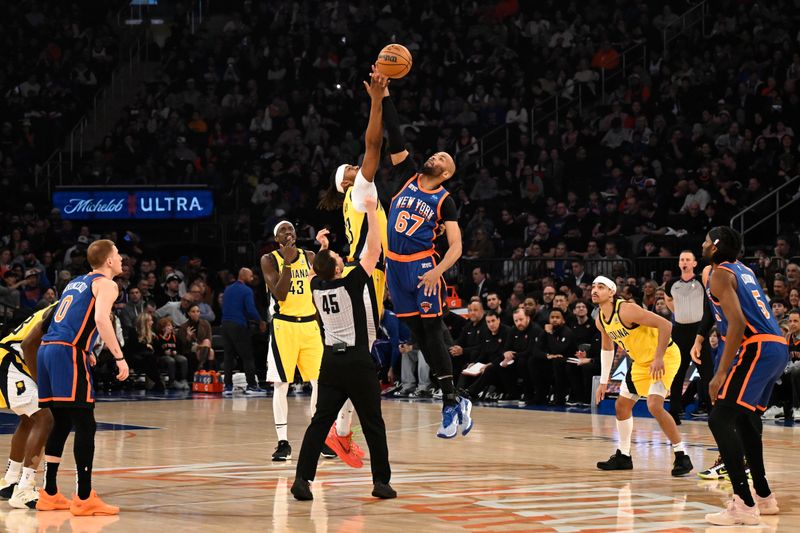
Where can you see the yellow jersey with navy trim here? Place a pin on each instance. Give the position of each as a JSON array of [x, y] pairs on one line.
[[18, 334], [299, 301], [640, 342], [356, 227]]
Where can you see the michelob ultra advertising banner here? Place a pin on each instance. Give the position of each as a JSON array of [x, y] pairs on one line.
[[133, 203]]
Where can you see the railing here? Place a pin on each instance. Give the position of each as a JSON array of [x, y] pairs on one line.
[[782, 201], [691, 17]]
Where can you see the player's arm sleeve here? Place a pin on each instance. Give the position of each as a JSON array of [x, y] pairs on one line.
[[362, 189], [356, 279], [449, 212], [404, 170], [392, 122]]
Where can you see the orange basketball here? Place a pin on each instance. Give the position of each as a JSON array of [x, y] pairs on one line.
[[394, 61]]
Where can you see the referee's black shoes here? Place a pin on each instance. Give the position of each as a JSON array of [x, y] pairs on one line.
[[384, 491], [301, 490]]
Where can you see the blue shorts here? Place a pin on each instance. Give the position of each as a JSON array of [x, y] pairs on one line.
[[64, 377], [756, 368], [402, 278]]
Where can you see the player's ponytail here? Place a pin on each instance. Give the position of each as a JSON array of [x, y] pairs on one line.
[[332, 199]]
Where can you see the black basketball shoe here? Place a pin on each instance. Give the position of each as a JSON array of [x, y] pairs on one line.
[[683, 464], [618, 461], [283, 452]]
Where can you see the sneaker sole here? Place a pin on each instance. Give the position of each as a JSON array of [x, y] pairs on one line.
[[612, 469], [23, 505], [446, 436], [281, 459], [471, 421]]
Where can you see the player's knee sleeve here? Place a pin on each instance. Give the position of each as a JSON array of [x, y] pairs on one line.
[[62, 425]]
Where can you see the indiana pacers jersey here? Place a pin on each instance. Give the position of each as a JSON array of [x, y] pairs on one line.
[[299, 301], [755, 306], [414, 217], [356, 227], [20, 332], [640, 342], [73, 320]]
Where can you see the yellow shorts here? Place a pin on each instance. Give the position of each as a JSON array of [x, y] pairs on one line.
[[638, 382], [18, 390], [294, 345]]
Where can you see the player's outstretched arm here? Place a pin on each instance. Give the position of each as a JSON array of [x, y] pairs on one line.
[[391, 121], [106, 292], [370, 259], [373, 138]]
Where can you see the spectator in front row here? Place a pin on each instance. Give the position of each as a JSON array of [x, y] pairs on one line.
[[587, 344], [558, 344], [195, 336], [139, 351], [165, 348], [465, 350], [177, 312], [490, 352]]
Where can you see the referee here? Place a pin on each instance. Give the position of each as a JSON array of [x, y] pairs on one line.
[[685, 297], [349, 319]]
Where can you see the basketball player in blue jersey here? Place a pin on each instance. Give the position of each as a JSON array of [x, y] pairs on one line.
[[65, 381], [413, 273], [754, 358]]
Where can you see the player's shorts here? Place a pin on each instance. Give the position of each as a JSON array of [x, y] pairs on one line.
[[403, 277], [759, 363], [296, 342], [17, 386], [639, 383], [377, 291], [64, 377]]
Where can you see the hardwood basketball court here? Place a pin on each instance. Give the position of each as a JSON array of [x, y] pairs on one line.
[[203, 464]]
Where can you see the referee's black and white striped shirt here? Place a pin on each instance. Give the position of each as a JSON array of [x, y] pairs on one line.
[[688, 298], [347, 308]]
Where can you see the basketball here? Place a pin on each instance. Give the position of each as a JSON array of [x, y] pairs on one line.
[[394, 61]]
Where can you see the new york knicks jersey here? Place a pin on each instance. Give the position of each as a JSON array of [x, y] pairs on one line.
[[414, 217], [299, 300], [639, 341], [73, 320], [755, 307], [356, 227]]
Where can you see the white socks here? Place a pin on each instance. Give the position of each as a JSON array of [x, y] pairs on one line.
[[313, 397], [625, 428], [345, 419], [678, 447], [13, 471], [280, 409], [28, 478]]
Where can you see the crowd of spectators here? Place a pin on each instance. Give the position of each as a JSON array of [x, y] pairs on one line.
[[56, 56]]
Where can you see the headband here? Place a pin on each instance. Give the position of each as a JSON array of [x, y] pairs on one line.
[[602, 280], [279, 224], [715, 236], [339, 177]]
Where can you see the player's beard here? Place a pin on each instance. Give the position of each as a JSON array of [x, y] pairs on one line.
[[431, 170]]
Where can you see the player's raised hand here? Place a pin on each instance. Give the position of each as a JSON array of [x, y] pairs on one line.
[[376, 86], [382, 79], [322, 238]]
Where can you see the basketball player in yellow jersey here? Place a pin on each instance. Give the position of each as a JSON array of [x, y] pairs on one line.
[[21, 395], [296, 341], [645, 337], [350, 186]]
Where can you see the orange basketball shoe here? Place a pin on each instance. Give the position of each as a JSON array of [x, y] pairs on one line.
[[91, 506], [343, 448], [57, 502]]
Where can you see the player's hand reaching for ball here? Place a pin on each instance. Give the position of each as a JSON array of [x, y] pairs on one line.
[[122, 366], [377, 85]]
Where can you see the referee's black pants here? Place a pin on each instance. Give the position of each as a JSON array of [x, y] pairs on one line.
[[349, 374], [684, 335], [238, 341]]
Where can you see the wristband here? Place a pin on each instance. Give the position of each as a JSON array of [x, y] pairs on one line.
[[119, 359]]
